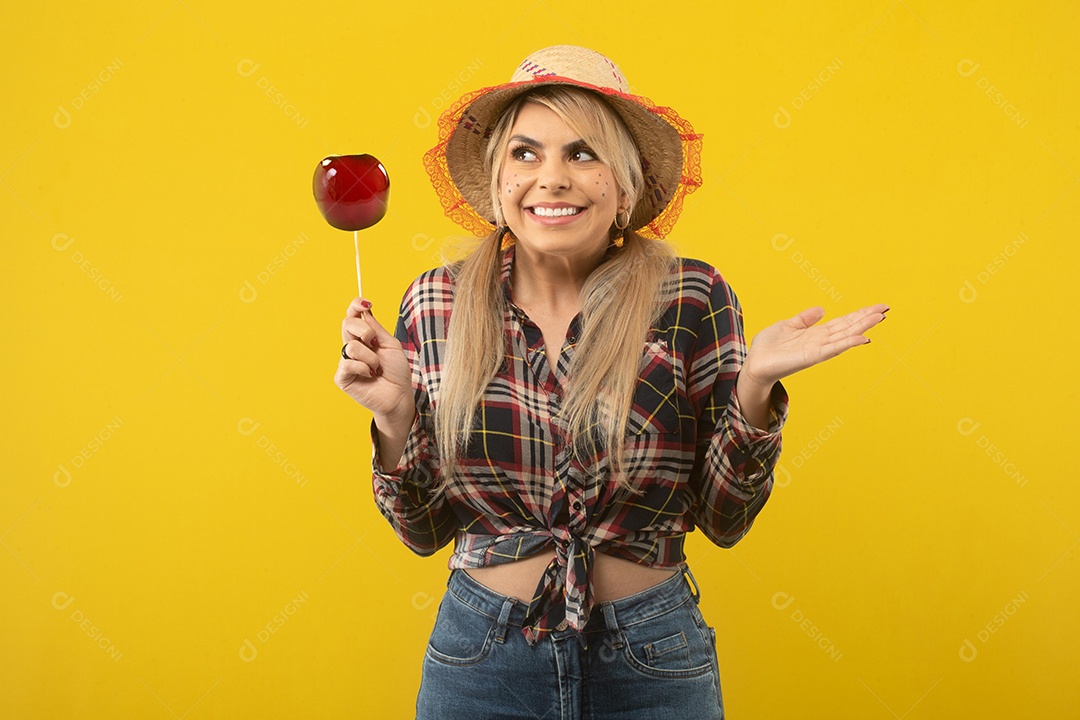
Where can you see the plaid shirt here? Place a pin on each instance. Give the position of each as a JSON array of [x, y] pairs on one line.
[[522, 490]]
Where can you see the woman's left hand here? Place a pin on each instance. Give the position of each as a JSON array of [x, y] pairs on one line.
[[797, 343]]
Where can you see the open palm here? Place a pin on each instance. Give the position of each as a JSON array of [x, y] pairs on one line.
[[794, 344]]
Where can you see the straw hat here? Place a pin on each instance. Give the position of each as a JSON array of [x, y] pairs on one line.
[[670, 149]]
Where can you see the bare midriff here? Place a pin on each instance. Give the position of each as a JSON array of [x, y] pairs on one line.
[[613, 577]]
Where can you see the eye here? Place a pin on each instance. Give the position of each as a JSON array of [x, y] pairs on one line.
[[523, 153], [583, 155]]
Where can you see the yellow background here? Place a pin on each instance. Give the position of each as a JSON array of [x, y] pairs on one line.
[[179, 469]]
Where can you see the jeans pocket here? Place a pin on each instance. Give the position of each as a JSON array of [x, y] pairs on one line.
[[462, 634], [671, 645]]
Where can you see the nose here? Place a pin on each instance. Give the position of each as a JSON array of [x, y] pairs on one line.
[[554, 175]]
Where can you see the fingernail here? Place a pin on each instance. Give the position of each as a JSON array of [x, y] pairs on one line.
[[867, 340], [365, 305], [374, 344], [378, 371]]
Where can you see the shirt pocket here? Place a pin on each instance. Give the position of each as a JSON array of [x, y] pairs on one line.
[[655, 407]]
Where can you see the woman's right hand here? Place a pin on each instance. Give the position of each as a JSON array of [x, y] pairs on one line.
[[378, 375]]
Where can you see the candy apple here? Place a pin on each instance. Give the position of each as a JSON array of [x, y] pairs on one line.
[[352, 191]]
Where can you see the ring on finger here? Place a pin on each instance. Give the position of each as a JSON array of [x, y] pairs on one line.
[[343, 353]]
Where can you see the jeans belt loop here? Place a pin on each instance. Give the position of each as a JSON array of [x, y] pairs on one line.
[[504, 617], [612, 624], [692, 581]]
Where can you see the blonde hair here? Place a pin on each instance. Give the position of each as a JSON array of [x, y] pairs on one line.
[[621, 299]]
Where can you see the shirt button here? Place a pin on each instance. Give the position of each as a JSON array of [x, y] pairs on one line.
[[577, 505]]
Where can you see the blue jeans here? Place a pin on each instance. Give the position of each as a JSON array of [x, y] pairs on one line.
[[648, 655]]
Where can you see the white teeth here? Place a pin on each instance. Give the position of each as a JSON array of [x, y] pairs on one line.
[[555, 212]]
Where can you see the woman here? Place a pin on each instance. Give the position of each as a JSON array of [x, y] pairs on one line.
[[568, 401]]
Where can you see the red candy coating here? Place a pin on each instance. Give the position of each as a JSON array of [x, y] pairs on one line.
[[352, 191]]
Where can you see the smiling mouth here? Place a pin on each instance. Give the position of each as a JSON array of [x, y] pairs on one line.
[[555, 212]]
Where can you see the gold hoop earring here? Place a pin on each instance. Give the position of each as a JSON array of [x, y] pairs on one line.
[[624, 225]]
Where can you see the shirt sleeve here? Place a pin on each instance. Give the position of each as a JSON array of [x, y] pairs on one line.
[[410, 496], [733, 470]]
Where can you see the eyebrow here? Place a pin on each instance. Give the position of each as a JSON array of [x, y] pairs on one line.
[[536, 143]]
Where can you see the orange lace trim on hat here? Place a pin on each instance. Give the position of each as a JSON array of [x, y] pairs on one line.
[[457, 209]]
